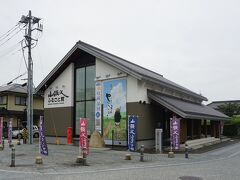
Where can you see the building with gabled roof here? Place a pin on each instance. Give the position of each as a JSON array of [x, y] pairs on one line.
[[94, 84], [13, 105], [216, 104]]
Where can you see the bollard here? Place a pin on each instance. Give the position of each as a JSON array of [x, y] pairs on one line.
[[141, 153], [186, 151], [3, 143], [112, 138], [13, 157], [19, 140], [38, 160], [25, 135], [84, 156]]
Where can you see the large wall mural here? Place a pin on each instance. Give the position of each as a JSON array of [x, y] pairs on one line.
[[114, 111]]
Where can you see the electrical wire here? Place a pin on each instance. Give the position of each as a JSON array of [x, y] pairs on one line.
[[11, 37], [11, 49], [18, 76], [24, 55], [11, 81], [3, 36]]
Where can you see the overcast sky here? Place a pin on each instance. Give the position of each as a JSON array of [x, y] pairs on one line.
[[195, 43]]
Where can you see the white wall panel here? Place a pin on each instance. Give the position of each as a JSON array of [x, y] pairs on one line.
[[60, 92]]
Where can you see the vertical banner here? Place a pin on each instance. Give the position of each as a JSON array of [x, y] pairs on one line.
[[132, 133], [221, 127], [114, 111], [43, 148], [98, 108], [1, 130], [83, 137], [175, 132], [10, 132]]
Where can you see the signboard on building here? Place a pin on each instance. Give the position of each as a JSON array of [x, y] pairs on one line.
[[10, 132], [57, 96], [98, 107], [83, 137], [60, 92], [114, 111], [132, 132], [175, 132], [1, 130]]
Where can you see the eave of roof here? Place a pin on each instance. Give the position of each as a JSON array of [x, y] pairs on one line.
[[185, 109], [122, 64]]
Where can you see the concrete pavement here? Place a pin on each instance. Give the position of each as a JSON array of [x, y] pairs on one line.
[[61, 162]]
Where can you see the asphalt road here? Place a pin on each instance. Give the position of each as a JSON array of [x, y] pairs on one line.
[[220, 164]]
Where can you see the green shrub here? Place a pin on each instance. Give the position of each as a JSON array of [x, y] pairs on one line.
[[231, 129]]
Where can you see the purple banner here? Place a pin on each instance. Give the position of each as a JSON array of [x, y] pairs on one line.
[[175, 132], [132, 133], [42, 139], [1, 130], [10, 132]]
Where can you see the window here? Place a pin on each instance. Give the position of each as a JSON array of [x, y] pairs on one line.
[[20, 100], [3, 100], [85, 97]]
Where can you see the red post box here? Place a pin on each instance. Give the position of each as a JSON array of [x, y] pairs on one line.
[[69, 135]]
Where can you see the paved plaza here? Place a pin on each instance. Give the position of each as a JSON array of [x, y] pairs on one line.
[[105, 163]]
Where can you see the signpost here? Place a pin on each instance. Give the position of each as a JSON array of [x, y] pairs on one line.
[[132, 133], [83, 138]]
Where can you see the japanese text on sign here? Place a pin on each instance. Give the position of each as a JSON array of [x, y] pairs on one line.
[[56, 97], [175, 132], [98, 108], [132, 132], [42, 140], [83, 138]]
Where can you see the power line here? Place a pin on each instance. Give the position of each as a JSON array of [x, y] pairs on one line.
[[10, 82], [24, 55], [11, 49], [10, 37], [9, 31]]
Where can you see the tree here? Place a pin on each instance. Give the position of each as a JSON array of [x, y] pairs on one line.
[[230, 109]]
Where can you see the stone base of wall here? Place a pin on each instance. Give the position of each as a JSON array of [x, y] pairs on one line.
[[54, 140]]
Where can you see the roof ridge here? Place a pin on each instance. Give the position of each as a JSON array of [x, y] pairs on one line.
[[119, 58], [225, 101]]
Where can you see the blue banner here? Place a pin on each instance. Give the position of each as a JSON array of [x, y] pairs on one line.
[[132, 133], [42, 139]]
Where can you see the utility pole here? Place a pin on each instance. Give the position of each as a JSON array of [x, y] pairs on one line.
[[30, 21]]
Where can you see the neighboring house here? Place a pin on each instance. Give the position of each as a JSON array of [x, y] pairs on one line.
[[13, 101], [94, 84], [216, 104]]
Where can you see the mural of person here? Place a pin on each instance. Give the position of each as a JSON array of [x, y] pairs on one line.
[[117, 117]]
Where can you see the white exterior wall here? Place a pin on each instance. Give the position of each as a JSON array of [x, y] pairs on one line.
[[105, 71], [63, 84], [136, 90]]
